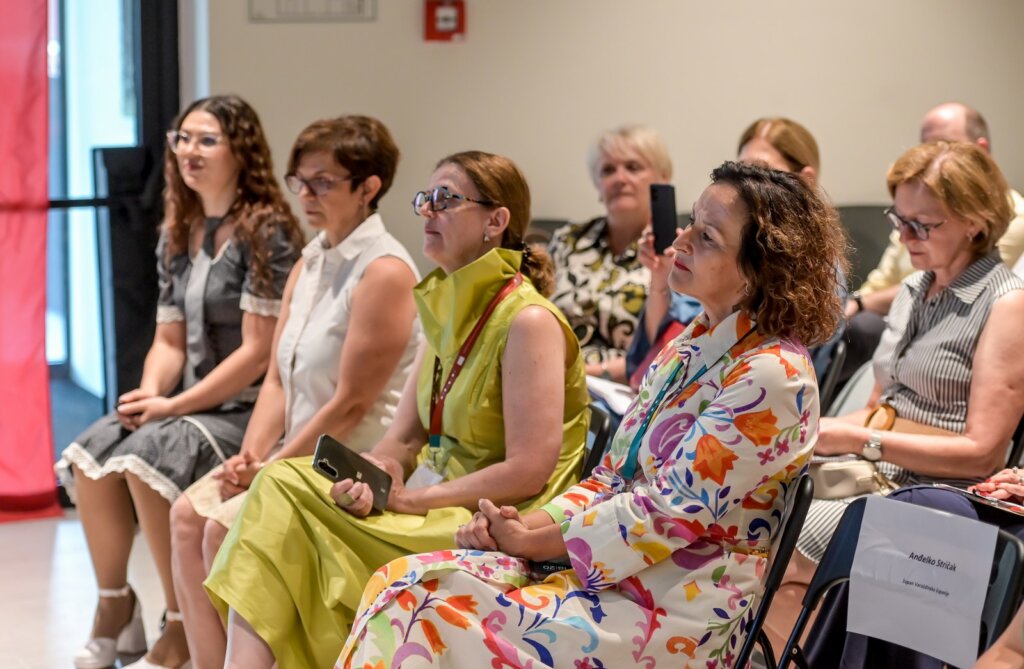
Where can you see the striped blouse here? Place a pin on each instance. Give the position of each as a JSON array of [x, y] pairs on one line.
[[924, 359]]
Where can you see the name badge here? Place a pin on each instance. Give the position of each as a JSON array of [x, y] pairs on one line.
[[423, 476]]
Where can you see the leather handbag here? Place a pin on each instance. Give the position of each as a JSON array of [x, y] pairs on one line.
[[836, 479]]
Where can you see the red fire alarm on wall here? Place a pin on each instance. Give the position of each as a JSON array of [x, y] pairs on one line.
[[445, 21]]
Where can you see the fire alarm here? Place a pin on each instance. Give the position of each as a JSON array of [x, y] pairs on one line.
[[445, 21]]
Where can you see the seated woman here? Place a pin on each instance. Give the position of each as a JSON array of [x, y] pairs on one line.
[[668, 540], [496, 407], [778, 143], [946, 366], [227, 245], [344, 345], [600, 283]]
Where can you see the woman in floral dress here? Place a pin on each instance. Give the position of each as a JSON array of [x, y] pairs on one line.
[[668, 539]]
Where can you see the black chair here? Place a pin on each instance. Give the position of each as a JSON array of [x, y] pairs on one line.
[[830, 379], [869, 235], [1016, 446], [598, 437], [1001, 600], [796, 511]]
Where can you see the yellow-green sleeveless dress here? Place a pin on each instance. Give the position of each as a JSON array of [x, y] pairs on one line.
[[294, 565]]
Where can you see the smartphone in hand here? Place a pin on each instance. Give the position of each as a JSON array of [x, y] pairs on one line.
[[663, 216], [339, 462]]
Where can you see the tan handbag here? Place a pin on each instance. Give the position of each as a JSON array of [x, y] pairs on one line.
[[836, 479]]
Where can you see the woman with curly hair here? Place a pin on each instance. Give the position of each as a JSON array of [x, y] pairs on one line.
[[668, 540], [228, 243]]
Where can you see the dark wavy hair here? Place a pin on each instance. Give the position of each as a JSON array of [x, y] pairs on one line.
[[792, 253], [259, 208], [498, 179]]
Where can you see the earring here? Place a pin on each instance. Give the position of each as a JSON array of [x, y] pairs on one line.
[[487, 237]]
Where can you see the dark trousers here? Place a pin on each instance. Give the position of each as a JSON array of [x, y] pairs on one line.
[[830, 645]]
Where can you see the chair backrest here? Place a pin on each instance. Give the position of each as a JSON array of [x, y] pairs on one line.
[[854, 394], [830, 379], [1001, 599], [1016, 446], [869, 235], [598, 436], [797, 504]]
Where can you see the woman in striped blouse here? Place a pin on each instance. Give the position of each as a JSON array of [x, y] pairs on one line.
[[948, 365]]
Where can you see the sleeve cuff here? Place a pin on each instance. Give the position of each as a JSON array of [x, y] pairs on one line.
[[260, 306], [556, 512], [166, 313]]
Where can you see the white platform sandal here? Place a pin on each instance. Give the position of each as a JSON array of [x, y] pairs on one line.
[[143, 663], [102, 652]]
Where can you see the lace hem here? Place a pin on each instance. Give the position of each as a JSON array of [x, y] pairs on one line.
[[260, 306], [75, 454]]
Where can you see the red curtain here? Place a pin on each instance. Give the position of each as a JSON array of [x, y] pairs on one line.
[[26, 442]]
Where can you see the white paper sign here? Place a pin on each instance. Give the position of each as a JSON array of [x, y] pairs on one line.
[[919, 579]]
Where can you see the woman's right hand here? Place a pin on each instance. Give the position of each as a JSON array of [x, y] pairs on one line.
[[659, 264], [357, 497]]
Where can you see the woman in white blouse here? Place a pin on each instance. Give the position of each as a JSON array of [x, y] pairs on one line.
[[345, 342]]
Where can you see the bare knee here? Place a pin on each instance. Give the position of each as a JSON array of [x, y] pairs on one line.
[[186, 523], [213, 537]]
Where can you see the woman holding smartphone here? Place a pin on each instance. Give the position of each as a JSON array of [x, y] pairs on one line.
[[497, 407]]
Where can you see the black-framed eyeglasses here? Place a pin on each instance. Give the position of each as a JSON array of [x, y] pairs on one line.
[[917, 228], [317, 185], [177, 140], [439, 197]]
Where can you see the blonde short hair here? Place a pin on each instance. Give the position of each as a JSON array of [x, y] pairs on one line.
[[967, 181], [642, 139]]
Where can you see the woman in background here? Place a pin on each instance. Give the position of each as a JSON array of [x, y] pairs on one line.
[[600, 283], [344, 345], [227, 246]]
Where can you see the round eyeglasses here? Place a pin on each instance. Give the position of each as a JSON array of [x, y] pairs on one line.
[[920, 230], [179, 140], [438, 199], [317, 185]]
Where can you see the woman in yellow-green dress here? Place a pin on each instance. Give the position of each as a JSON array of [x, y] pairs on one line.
[[509, 423]]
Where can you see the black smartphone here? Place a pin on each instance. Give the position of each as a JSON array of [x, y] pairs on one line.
[[663, 215], [339, 462]]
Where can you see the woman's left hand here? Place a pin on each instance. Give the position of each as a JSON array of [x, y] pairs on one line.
[[148, 409], [399, 499], [1007, 485], [837, 437], [507, 528]]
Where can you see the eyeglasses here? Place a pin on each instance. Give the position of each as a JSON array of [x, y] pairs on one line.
[[177, 140], [317, 185], [439, 197], [920, 230]]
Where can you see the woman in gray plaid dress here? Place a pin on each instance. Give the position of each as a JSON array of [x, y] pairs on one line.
[[228, 243]]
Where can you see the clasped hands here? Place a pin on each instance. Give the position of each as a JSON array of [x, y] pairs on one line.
[[495, 528], [1006, 485], [137, 407], [237, 474]]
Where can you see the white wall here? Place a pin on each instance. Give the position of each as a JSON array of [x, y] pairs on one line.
[[538, 79]]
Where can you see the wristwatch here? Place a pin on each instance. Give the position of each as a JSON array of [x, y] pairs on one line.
[[872, 449], [856, 297]]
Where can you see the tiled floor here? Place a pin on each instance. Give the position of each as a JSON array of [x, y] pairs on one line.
[[47, 592]]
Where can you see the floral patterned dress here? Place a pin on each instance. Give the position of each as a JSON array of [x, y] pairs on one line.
[[667, 564]]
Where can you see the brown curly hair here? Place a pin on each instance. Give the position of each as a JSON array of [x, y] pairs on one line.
[[259, 207], [792, 252], [498, 179]]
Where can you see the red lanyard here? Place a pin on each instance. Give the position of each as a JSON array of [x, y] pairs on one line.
[[439, 394]]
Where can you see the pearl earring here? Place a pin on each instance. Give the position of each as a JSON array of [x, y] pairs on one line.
[[487, 237]]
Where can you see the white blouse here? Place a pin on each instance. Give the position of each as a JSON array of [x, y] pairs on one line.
[[309, 350]]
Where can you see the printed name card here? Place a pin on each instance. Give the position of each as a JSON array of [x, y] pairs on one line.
[[919, 579]]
